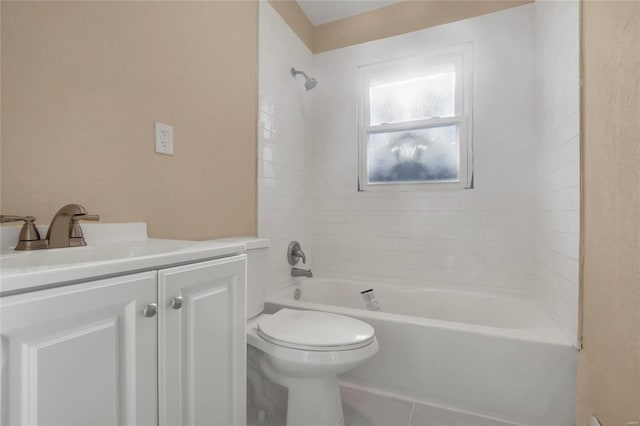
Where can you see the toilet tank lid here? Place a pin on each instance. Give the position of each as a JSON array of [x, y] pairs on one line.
[[250, 242]]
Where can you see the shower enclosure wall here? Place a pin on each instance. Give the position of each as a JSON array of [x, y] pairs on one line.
[[515, 233]]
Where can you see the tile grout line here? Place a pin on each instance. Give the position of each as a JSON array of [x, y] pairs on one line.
[[413, 406]]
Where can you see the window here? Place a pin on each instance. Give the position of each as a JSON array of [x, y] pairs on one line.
[[415, 122]]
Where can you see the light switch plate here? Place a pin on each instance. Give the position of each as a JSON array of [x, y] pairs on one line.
[[164, 139]]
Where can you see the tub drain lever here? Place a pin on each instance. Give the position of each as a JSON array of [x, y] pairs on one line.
[[370, 300]]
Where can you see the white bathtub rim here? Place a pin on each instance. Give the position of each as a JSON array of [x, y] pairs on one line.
[[540, 334], [550, 333], [428, 284], [525, 295]]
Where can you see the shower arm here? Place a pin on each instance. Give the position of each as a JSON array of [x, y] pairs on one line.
[[295, 72]]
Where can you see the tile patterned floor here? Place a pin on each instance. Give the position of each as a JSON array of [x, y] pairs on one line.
[[424, 415], [363, 408], [367, 409]]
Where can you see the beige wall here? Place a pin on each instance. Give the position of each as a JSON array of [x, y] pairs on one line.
[[609, 364], [400, 18], [296, 19], [83, 83]]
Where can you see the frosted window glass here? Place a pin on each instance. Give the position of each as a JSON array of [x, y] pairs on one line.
[[414, 99], [414, 155]]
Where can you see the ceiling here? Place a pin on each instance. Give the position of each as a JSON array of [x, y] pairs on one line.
[[323, 11]]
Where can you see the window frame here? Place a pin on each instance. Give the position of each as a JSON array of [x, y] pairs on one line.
[[461, 57]]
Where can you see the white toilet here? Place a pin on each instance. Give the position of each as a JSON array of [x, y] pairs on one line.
[[303, 351]]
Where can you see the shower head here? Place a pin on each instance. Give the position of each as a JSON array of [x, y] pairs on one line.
[[309, 82]]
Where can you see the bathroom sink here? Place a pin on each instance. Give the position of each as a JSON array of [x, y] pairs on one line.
[[112, 249], [88, 254]]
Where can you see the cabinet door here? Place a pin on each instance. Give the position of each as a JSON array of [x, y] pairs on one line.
[[202, 343], [81, 354]]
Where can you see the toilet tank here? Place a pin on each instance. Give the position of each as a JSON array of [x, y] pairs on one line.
[[257, 271]]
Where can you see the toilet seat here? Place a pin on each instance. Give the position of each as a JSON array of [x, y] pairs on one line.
[[314, 331]]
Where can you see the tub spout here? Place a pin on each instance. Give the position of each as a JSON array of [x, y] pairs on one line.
[[297, 272]]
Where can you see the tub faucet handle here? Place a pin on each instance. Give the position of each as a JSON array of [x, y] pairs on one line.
[[295, 253], [300, 253]]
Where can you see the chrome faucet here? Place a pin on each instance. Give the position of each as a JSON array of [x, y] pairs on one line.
[[294, 254], [64, 230], [297, 272]]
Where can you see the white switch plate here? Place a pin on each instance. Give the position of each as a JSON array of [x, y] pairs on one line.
[[164, 139]]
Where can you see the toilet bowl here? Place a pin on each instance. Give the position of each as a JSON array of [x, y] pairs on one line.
[[304, 351]]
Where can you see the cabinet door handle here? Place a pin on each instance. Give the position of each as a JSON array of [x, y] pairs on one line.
[[150, 310], [176, 302]]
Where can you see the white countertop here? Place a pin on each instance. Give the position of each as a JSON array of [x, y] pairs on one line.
[[112, 249]]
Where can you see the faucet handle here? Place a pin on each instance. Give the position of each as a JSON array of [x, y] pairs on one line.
[[11, 218], [82, 216], [29, 232], [295, 253], [76, 231]]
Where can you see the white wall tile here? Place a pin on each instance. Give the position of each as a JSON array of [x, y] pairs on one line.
[[558, 160], [483, 238], [284, 140], [509, 249]]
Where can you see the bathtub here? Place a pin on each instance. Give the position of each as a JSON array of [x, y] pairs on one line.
[[488, 354]]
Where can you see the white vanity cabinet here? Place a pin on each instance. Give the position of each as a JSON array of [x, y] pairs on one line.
[[202, 344], [81, 354], [89, 353]]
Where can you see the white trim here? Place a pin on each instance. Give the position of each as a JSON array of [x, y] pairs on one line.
[[461, 57], [414, 124]]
